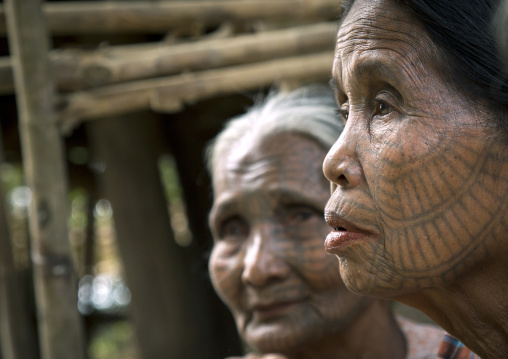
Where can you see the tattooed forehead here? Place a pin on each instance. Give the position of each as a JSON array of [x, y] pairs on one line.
[[285, 160], [370, 25], [368, 18], [265, 173], [254, 172]]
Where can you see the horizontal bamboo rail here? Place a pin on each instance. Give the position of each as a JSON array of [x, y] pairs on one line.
[[66, 18], [170, 94], [78, 69]]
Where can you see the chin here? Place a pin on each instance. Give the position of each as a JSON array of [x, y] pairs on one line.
[[272, 342], [370, 281], [383, 282], [278, 338]]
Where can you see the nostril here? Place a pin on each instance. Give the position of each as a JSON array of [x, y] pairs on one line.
[[342, 181]]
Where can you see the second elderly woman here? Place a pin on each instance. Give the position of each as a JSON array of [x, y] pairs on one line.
[[268, 263]]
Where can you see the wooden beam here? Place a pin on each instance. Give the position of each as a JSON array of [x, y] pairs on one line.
[[66, 18], [170, 94], [76, 69], [60, 329]]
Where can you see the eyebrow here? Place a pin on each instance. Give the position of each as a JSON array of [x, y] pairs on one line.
[[282, 195], [224, 206], [374, 69], [287, 195]]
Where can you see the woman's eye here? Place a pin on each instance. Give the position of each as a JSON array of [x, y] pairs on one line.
[[301, 214], [233, 228], [344, 113], [382, 108]]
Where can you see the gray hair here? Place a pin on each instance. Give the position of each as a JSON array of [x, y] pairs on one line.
[[309, 110]]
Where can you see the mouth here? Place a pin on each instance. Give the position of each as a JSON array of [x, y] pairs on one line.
[[343, 234], [264, 312]]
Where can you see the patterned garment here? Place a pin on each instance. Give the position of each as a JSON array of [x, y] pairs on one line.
[[452, 348], [422, 339]]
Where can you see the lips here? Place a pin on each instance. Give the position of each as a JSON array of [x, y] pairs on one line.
[[337, 240], [270, 307], [343, 234], [271, 310]]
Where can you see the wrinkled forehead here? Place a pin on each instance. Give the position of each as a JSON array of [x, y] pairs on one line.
[[285, 159], [376, 32], [380, 23]]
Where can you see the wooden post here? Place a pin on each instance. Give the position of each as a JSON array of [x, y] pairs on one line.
[[162, 306], [60, 328], [16, 337]]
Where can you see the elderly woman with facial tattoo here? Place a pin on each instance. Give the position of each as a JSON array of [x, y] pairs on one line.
[[268, 264], [419, 204]]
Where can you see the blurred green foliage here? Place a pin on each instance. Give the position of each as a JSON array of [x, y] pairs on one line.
[[176, 204], [114, 341], [11, 176]]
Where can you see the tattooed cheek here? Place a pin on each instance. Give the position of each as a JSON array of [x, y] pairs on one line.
[[225, 277], [224, 263]]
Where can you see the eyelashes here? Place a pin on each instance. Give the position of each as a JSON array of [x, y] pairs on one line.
[[342, 114], [379, 109]]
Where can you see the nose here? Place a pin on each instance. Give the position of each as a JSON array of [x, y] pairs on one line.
[[263, 261], [341, 165]]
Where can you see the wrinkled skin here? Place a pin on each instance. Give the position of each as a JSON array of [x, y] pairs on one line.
[[414, 166], [420, 172], [268, 263]]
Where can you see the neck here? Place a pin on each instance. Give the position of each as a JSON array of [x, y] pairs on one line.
[[474, 310], [373, 334]]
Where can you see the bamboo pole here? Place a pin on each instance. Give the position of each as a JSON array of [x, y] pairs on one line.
[[169, 94], [66, 18], [76, 69], [16, 339], [60, 329]]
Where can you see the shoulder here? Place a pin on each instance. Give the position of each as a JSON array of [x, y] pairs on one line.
[[422, 339]]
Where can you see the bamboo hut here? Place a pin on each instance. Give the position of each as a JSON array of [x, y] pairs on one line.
[[129, 83]]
